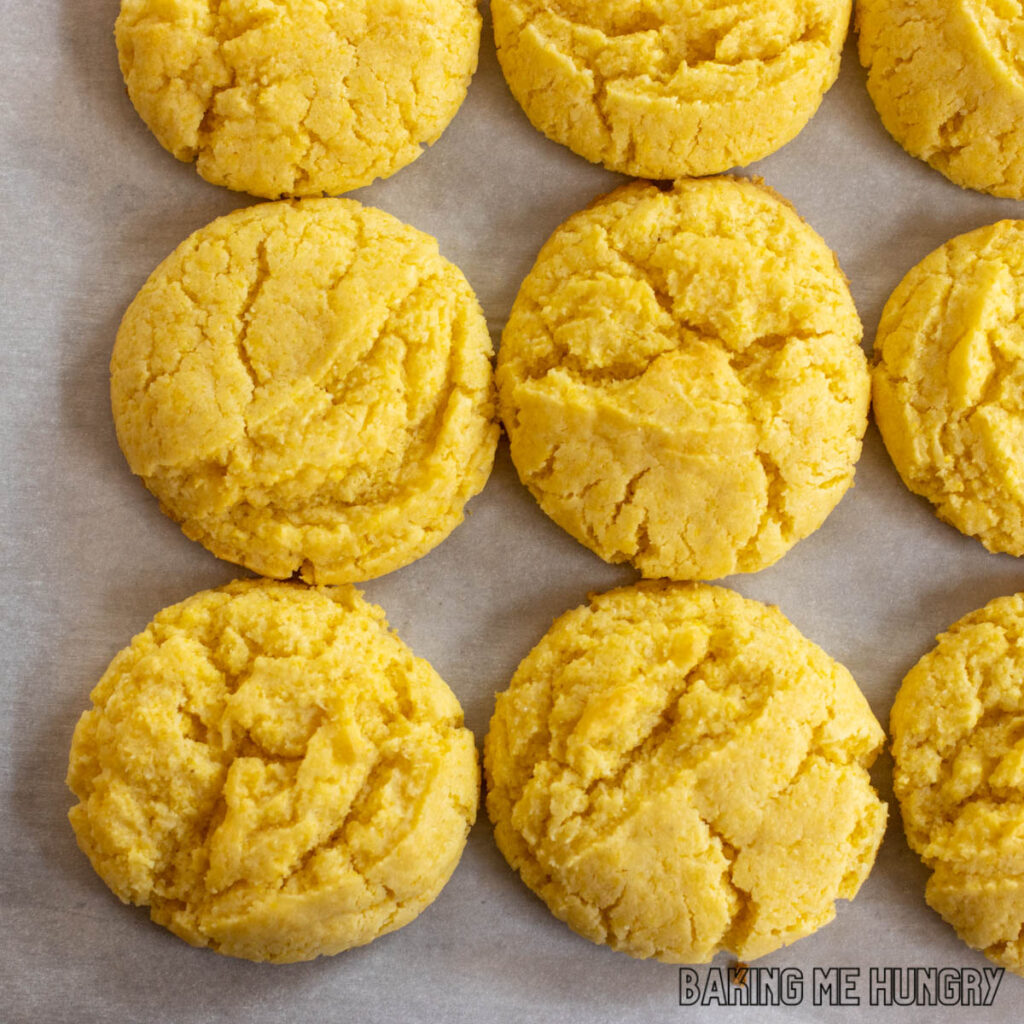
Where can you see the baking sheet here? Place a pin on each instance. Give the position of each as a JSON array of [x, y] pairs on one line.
[[90, 204]]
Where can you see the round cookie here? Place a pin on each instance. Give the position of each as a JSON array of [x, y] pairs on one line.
[[958, 743], [676, 771], [273, 773], [681, 379], [947, 79], [297, 97], [307, 387], [663, 88], [948, 382]]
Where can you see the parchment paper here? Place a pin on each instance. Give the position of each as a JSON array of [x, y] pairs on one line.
[[91, 204]]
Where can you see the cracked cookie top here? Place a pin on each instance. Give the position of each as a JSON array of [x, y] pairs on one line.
[[675, 770], [947, 79], [273, 773], [666, 88], [948, 382], [958, 743], [297, 97], [681, 379], [306, 386]]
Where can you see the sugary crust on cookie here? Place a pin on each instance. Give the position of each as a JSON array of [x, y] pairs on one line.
[[675, 771], [681, 380], [666, 88], [297, 97], [307, 387], [958, 743], [273, 773], [947, 78], [948, 382]]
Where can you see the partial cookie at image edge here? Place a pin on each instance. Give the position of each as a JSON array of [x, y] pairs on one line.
[[301, 98], [948, 383], [946, 82], [959, 776], [653, 93]]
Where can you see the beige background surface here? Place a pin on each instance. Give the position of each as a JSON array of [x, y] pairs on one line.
[[90, 204]]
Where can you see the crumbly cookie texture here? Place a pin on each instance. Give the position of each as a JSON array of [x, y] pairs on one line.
[[676, 771], [297, 97], [958, 745], [681, 379], [273, 773], [948, 382], [307, 387], [947, 78], [666, 88]]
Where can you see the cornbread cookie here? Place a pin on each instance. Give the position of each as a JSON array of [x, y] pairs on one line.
[[273, 773], [307, 387], [949, 382], [675, 771], [947, 78], [958, 742], [681, 379], [297, 97], [665, 88]]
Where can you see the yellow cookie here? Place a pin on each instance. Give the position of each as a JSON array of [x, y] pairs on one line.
[[681, 379], [273, 773], [297, 97], [675, 771], [665, 88], [947, 78], [949, 382], [307, 387], [958, 743]]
